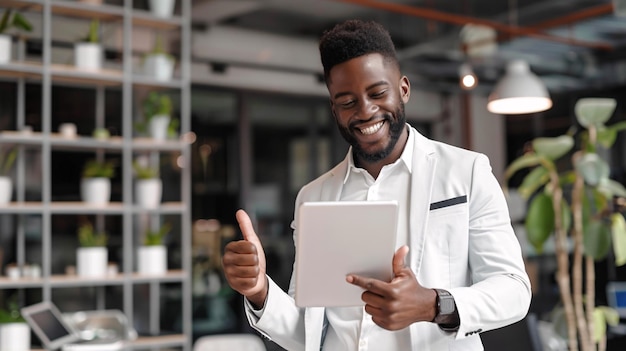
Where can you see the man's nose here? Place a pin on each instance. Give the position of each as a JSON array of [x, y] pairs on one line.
[[367, 109]]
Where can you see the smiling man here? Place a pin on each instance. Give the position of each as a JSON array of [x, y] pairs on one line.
[[458, 269]]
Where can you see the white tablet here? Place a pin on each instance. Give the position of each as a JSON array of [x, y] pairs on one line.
[[337, 238], [48, 324]]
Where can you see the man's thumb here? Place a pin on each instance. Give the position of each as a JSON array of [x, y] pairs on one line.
[[398, 259], [245, 224]]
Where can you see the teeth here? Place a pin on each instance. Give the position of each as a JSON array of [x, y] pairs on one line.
[[373, 129]]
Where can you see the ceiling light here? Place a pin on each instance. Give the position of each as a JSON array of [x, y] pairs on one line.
[[519, 92], [467, 78]]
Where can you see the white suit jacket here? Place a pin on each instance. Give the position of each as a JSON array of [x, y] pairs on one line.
[[460, 239]]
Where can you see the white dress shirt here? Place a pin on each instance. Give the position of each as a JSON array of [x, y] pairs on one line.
[[350, 328]]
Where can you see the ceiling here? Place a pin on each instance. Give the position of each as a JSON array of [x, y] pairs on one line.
[[570, 44]]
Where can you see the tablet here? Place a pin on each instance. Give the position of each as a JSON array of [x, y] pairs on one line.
[[341, 237], [48, 324]]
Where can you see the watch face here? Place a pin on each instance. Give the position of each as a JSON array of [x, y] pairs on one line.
[[446, 304]]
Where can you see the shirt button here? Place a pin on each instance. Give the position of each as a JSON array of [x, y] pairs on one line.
[[362, 344]]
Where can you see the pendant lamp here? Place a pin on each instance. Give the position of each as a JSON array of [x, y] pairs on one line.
[[519, 92]]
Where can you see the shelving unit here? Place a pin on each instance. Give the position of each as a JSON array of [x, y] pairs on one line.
[[126, 146]]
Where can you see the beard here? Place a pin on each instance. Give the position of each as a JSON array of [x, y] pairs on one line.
[[396, 126]]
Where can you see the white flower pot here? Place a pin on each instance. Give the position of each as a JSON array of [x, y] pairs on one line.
[[5, 48], [15, 337], [162, 8], [88, 56], [96, 191], [6, 190], [159, 66], [158, 127], [148, 192], [152, 259], [92, 261]]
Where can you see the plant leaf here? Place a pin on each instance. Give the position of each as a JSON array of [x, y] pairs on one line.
[[553, 148], [536, 178], [21, 22], [592, 168], [539, 220], [599, 325], [594, 111], [597, 239], [618, 230], [610, 188]]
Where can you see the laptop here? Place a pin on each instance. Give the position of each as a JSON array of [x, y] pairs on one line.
[[55, 332]]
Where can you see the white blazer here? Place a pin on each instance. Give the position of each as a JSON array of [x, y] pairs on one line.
[[460, 240]]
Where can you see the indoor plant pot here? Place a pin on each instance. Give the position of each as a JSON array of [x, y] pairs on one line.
[[148, 186], [10, 19], [14, 331], [152, 255], [158, 64], [7, 159], [162, 8], [157, 110], [96, 182], [92, 256], [88, 52]]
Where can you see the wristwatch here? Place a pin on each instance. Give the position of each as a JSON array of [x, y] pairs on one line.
[[446, 307]]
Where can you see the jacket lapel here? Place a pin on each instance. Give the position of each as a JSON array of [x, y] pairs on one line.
[[422, 176]]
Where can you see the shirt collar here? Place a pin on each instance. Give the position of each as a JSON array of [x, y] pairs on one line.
[[406, 157]]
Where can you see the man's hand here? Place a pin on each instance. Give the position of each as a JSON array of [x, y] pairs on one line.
[[399, 303], [244, 263]]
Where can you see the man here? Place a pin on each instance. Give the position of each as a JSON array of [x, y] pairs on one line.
[[458, 269]]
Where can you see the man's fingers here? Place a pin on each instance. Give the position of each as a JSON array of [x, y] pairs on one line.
[[368, 284], [398, 259]]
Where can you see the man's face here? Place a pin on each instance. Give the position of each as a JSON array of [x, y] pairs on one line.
[[367, 98]]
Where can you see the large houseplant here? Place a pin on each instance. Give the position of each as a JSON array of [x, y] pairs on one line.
[[96, 182], [92, 253], [587, 202], [10, 19], [7, 159]]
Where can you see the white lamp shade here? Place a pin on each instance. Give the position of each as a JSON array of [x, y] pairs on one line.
[[519, 92]]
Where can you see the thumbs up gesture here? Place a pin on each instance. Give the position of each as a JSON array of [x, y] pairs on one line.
[[244, 263], [399, 303]]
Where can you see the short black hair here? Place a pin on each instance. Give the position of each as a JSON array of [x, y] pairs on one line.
[[354, 38]]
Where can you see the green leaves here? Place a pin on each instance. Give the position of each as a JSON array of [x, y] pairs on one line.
[[88, 237], [592, 168], [602, 316], [11, 19], [553, 148], [597, 239], [594, 111], [618, 230], [97, 169]]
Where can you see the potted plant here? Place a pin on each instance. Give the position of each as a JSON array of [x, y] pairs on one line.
[[162, 8], [14, 331], [7, 158], [92, 253], [152, 255], [158, 64], [148, 185], [10, 19], [96, 182], [88, 51], [157, 111], [590, 213]]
